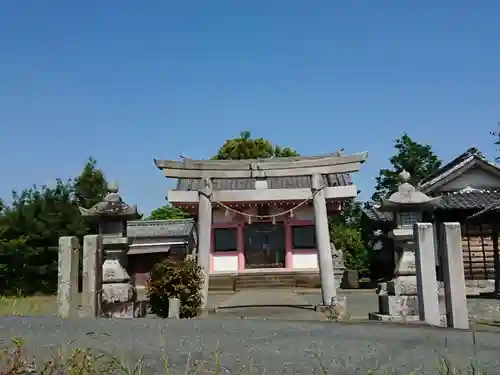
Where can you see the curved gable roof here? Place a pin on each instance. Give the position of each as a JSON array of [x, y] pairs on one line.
[[471, 158]]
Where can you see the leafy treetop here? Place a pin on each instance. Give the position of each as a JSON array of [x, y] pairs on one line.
[[245, 147], [417, 159], [242, 147], [168, 212], [90, 187]]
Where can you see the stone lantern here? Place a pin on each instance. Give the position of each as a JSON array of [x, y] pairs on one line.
[[398, 297], [111, 215]]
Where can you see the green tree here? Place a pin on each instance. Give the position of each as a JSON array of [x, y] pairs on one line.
[[242, 147], [31, 226], [168, 212], [416, 158], [90, 187], [245, 147], [349, 239], [347, 232]]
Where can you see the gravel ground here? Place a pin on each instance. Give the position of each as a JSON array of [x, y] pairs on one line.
[[271, 347]]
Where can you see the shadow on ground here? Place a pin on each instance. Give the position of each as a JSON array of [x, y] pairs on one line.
[[301, 307]]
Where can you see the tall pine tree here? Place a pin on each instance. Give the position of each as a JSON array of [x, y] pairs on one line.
[[417, 159]]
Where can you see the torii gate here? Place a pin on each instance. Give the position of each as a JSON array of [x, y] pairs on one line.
[[315, 167]]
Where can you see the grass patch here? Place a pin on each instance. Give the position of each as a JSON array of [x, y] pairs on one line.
[[15, 361], [28, 306]]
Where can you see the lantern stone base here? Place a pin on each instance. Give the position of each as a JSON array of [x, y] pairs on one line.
[[130, 309], [398, 300], [118, 292], [395, 305], [401, 319], [339, 275]]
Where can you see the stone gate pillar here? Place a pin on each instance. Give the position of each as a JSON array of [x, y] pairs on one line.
[[67, 278], [205, 235], [325, 260]]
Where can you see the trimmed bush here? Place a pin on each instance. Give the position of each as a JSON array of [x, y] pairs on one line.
[[173, 279], [350, 242]]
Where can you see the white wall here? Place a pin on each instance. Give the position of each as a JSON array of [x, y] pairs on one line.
[[225, 263], [305, 261]]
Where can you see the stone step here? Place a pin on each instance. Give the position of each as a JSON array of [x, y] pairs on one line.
[[266, 277], [264, 280], [239, 287], [222, 282]]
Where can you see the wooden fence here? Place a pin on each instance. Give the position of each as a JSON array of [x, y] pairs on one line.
[[479, 250]]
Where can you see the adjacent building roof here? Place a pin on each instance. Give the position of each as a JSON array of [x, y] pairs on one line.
[[469, 159], [469, 199], [466, 199], [160, 228], [373, 213], [492, 209]]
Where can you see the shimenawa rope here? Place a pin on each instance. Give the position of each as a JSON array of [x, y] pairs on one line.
[[269, 216]]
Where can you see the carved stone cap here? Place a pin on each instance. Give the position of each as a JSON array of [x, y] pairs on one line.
[[408, 198], [111, 206]]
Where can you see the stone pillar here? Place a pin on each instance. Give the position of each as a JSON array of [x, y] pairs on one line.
[[92, 275], [425, 262], [329, 293], [174, 308], [67, 286], [205, 235], [457, 314]]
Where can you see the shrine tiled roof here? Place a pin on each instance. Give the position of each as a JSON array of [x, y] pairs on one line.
[[296, 182], [160, 228], [466, 199]]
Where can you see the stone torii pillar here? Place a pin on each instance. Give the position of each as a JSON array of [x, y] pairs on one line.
[[325, 260], [205, 235]]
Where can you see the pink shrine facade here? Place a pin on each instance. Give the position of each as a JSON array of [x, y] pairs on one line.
[[241, 243]]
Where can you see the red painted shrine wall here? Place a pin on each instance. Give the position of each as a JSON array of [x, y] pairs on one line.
[[232, 261]]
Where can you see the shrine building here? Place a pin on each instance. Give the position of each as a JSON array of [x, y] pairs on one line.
[[261, 213]]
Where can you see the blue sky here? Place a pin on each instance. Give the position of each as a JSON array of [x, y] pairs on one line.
[[128, 81]]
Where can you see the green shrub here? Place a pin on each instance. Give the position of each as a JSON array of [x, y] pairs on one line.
[[174, 279], [350, 242], [26, 270]]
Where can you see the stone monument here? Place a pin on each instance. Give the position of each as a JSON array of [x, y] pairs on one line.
[[119, 297], [398, 298]]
